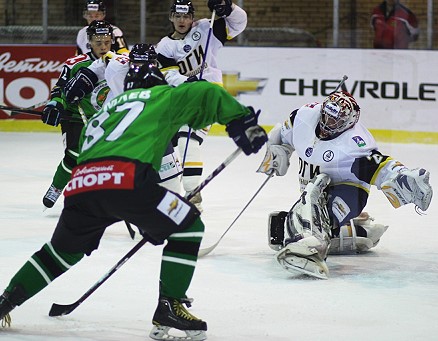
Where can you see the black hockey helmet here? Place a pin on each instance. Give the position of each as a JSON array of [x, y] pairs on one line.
[[143, 76], [182, 6], [99, 28], [94, 5], [143, 53]]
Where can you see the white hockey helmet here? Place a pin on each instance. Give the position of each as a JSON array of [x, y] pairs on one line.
[[339, 112]]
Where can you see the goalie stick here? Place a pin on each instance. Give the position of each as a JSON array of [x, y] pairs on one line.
[[60, 309], [206, 251]]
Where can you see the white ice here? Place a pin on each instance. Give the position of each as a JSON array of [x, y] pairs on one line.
[[390, 293]]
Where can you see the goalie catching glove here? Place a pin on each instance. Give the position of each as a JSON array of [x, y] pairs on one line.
[[80, 85], [409, 186], [276, 159], [246, 133]]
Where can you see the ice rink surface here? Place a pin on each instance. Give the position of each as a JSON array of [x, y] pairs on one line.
[[390, 293]]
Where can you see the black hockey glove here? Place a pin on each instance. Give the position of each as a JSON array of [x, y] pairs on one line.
[[221, 10], [52, 113], [246, 133], [80, 85]]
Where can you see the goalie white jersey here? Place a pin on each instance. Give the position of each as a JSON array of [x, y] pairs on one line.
[[336, 157], [182, 58]]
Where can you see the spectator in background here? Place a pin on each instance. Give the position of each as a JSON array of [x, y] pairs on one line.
[[395, 26], [96, 10]]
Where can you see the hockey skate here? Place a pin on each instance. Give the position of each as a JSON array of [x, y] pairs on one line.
[[171, 315], [358, 236], [51, 196], [5, 308], [303, 257], [8, 301]]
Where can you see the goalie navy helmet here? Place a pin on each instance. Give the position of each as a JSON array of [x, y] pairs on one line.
[[143, 76], [95, 5], [182, 6], [339, 112], [143, 53], [99, 28]]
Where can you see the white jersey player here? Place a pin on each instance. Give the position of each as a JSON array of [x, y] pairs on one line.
[[113, 68], [338, 162], [181, 55], [96, 10]]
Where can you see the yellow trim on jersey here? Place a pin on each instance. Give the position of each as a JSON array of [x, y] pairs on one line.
[[193, 164], [381, 165], [166, 69]]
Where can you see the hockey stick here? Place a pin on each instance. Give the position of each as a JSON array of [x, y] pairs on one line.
[[17, 111], [207, 250], [85, 120], [60, 309], [200, 77], [341, 83]]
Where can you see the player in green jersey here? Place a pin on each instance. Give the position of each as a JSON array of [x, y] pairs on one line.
[[58, 110], [116, 179]]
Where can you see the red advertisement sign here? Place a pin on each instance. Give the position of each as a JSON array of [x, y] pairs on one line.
[[28, 73]]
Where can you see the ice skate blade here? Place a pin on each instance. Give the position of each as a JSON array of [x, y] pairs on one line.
[[308, 266], [162, 333]]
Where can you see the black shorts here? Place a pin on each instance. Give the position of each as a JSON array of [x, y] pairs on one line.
[[156, 211], [72, 132]]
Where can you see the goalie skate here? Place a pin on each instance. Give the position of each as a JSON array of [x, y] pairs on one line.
[[303, 258]]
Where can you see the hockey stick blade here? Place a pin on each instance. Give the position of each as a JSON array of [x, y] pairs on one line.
[[60, 310], [207, 250]]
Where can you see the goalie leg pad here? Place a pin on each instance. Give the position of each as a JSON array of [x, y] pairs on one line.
[[276, 230], [360, 235], [308, 226], [310, 265], [409, 186]]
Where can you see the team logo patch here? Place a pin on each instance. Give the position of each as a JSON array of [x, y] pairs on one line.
[[328, 156], [340, 208], [196, 36], [359, 141], [309, 151], [103, 175], [187, 48], [173, 207]]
